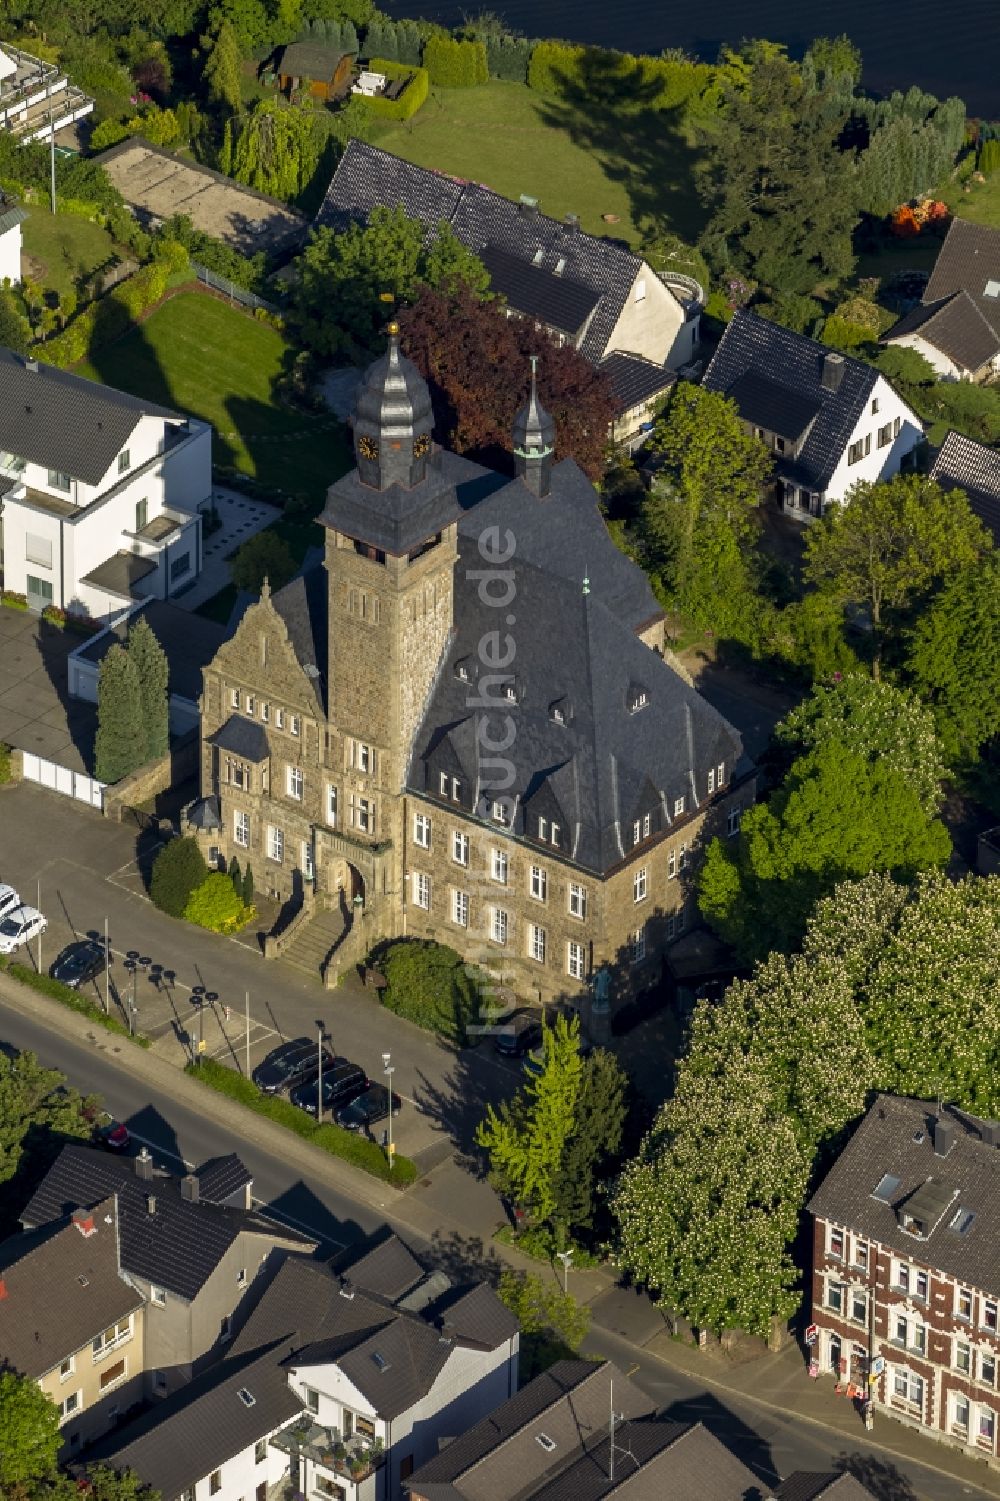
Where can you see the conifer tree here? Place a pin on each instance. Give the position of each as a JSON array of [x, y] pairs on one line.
[[121, 736], [151, 667]]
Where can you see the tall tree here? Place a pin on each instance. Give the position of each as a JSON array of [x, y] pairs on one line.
[[29, 1432], [121, 735], [890, 542], [38, 1114], [222, 66], [344, 278], [598, 1122], [449, 264], [275, 149], [150, 662], [953, 659]]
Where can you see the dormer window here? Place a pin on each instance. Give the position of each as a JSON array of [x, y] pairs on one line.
[[992, 289], [499, 813], [463, 670], [678, 807], [638, 697], [510, 693], [711, 780], [558, 715], [560, 711], [560, 265], [538, 257]]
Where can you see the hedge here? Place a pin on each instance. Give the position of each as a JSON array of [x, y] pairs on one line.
[[455, 65], [349, 1145], [508, 57], [57, 991], [553, 65], [431, 985], [105, 320], [415, 94]]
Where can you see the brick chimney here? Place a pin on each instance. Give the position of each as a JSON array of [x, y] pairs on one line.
[[144, 1165], [190, 1188]]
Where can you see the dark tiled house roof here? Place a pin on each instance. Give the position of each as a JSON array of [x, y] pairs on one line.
[[807, 1485], [396, 519], [367, 177], [969, 261], [896, 1142], [302, 605], [635, 380], [242, 737], [956, 326], [780, 373], [549, 296], [61, 1286], [64, 422], [177, 1245], [221, 1178], [962, 463]]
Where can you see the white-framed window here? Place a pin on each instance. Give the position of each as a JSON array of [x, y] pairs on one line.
[[157, 1296], [859, 1306], [59, 481], [640, 884], [331, 805], [859, 1253], [294, 724], [910, 1333], [279, 719], [460, 908], [885, 435], [113, 1375], [678, 806], [539, 884], [908, 1386], [362, 756], [499, 812], [921, 1285], [295, 782], [215, 1483], [67, 1368], [720, 774], [422, 830], [241, 829], [682, 857], [421, 890], [834, 1299], [456, 789], [499, 924], [443, 782], [576, 961], [961, 1357], [235, 698], [988, 1368], [671, 864], [635, 832], [308, 866], [111, 1338], [896, 425], [70, 1404], [836, 1240], [637, 945], [460, 847], [260, 1451], [963, 1303], [543, 828], [554, 834], [675, 925], [275, 844], [711, 780], [647, 825], [536, 943], [362, 814], [958, 1414], [251, 704], [986, 1426], [124, 461], [988, 1314], [265, 713], [733, 820], [577, 900], [499, 866]]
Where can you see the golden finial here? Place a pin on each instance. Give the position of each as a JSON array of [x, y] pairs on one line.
[[394, 327]]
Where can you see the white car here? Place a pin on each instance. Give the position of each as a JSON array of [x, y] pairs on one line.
[[9, 899], [20, 926]]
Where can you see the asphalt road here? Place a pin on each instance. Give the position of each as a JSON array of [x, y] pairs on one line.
[[772, 1443]]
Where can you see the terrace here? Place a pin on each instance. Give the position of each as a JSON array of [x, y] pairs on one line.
[[308, 1443]]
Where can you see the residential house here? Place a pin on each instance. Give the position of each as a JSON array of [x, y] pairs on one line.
[[322, 72], [906, 1276], [12, 216], [192, 1248], [963, 464], [99, 491], [71, 1319], [956, 325], [830, 421], [831, 1485], [586, 290], [36, 97], [338, 1386], [532, 786], [581, 1430]]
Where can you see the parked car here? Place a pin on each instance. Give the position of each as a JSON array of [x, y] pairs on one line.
[[79, 963], [115, 1136], [369, 1107], [9, 899], [289, 1064], [517, 1033], [342, 1081], [20, 926]]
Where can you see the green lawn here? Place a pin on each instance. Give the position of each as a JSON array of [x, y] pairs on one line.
[[631, 161], [63, 248], [981, 203], [199, 355]]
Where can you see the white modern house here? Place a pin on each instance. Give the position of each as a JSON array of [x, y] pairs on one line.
[[36, 97], [99, 492], [829, 420], [12, 216]]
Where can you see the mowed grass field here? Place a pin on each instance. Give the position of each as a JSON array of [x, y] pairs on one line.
[[198, 355], [63, 248]]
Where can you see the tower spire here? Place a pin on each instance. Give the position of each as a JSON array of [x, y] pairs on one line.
[[534, 440], [392, 420]]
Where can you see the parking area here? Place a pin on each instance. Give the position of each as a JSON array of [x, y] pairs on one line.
[[36, 711]]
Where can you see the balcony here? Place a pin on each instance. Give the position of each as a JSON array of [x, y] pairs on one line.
[[352, 1459]]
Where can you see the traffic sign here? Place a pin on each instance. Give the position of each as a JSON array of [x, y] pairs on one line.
[[812, 1334], [878, 1365]]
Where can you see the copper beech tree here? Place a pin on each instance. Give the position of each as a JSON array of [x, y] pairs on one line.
[[475, 360]]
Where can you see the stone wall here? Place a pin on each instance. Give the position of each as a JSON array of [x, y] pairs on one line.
[[179, 763]]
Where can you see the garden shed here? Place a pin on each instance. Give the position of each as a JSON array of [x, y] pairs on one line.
[[326, 72]]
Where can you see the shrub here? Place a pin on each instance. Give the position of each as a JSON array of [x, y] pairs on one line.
[[217, 905], [430, 985], [840, 334], [508, 57], [665, 82], [553, 1324], [989, 157], [415, 94], [349, 1145], [13, 600], [5, 766], [57, 991], [108, 133], [178, 870], [53, 615], [105, 320], [452, 64]]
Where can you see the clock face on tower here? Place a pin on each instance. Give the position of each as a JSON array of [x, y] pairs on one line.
[[367, 447], [421, 446]]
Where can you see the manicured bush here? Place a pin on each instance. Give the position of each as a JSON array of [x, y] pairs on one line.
[[677, 81], [178, 870], [349, 1145], [217, 905], [989, 157], [415, 94], [105, 320], [57, 991], [431, 985], [13, 600], [455, 65], [508, 57]]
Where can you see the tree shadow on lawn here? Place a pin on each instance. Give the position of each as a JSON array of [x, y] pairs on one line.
[[615, 117]]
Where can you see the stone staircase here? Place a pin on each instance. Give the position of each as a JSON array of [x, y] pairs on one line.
[[309, 948]]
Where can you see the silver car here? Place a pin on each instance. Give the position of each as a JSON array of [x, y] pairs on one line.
[[19, 927]]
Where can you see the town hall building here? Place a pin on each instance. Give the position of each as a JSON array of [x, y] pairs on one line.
[[459, 724]]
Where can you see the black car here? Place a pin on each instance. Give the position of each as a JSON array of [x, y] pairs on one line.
[[342, 1081], [290, 1064], [79, 963], [517, 1033], [369, 1107]]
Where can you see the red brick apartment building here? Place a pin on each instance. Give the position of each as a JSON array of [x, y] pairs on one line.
[[906, 1269]]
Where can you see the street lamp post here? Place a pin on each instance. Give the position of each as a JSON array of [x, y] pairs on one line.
[[107, 971], [38, 904], [565, 1257], [388, 1070], [319, 1079]]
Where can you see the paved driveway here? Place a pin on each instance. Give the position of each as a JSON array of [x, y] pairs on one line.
[[36, 711]]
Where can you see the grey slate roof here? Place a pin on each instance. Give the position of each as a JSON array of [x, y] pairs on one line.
[[242, 737], [11, 214], [604, 766], [808, 1485], [968, 259], [302, 605], [653, 1460], [635, 380], [177, 1247], [886, 1142], [61, 1287], [388, 1269], [204, 814], [962, 463], [121, 573], [367, 177], [189, 642], [64, 422], [790, 366], [548, 296], [222, 1177], [396, 519], [311, 60], [953, 324]]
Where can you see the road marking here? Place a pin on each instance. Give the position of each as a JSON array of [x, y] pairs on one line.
[[632, 1371]]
